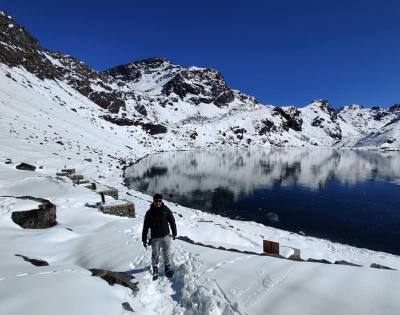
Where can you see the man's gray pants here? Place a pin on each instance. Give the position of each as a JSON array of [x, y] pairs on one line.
[[156, 245]]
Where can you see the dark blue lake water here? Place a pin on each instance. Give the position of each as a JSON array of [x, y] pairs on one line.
[[346, 196]]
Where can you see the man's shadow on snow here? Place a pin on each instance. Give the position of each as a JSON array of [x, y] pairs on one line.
[[178, 284]]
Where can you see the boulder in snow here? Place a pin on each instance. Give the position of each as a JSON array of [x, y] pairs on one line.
[[33, 261], [25, 167], [114, 277]]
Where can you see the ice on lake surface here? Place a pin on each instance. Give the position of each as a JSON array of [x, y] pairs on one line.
[[346, 196]]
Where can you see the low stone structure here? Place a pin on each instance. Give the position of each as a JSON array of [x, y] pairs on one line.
[[70, 171], [109, 191], [296, 255], [62, 174], [75, 177], [124, 208], [41, 218], [91, 186]]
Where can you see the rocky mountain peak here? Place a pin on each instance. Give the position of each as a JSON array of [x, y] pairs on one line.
[[19, 48], [355, 107], [326, 107], [200, 85], [14, 35], [395, 109], [135, 71]]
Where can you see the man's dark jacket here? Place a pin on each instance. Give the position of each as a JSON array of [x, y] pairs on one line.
[[157, 220]]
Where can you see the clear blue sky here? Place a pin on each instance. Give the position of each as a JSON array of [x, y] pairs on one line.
[[282, 52]]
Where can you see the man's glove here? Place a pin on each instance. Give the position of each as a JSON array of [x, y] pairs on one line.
[[145, 244]]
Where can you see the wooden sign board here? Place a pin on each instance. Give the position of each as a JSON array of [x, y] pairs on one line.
[[270, 247]]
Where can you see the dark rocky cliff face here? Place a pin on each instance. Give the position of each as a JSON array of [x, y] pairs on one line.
[[133, 93], [291, 117], [133, 72], [18, 48], [198, 85]]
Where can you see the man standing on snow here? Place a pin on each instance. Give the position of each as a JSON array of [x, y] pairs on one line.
[[157, 219]]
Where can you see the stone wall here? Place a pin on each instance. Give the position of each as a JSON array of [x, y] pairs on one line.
[[110, 192], [125, 209]]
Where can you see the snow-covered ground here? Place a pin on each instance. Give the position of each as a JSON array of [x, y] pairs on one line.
[[207, 281]]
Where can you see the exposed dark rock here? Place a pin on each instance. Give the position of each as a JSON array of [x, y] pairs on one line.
[[41, 218], [327, 108], [194, 135], [239, 130], [343, 262], [115, 277], [317, 121], [8, 161], [335, 133], [135, 70], [120, 121], [25, 167], [225, 98], [108, 101], [127, 307], [322, 261], [21, 49], [203, 86], [395, 108], [266, 127], [292, 118], [378, 266], [154, 129], [34, 261], [379, 114], [141, 109]]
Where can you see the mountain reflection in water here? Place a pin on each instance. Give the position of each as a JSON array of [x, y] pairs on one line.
[[343, 195]]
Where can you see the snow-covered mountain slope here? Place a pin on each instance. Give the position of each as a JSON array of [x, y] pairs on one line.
[[191, 106], [55, 111]]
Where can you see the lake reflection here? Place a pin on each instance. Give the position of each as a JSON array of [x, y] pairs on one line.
[[346, 196]]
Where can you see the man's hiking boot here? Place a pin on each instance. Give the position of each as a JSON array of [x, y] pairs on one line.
[[168, 271], [155, 273]]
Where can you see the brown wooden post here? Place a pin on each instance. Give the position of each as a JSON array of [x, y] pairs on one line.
[[270, 247]]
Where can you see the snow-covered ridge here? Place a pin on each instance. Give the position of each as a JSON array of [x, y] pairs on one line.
[[195, 105]]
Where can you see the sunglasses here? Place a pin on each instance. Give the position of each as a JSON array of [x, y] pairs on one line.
[[158, 201]]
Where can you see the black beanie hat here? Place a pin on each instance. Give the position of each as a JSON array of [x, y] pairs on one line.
[[157, 197]]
